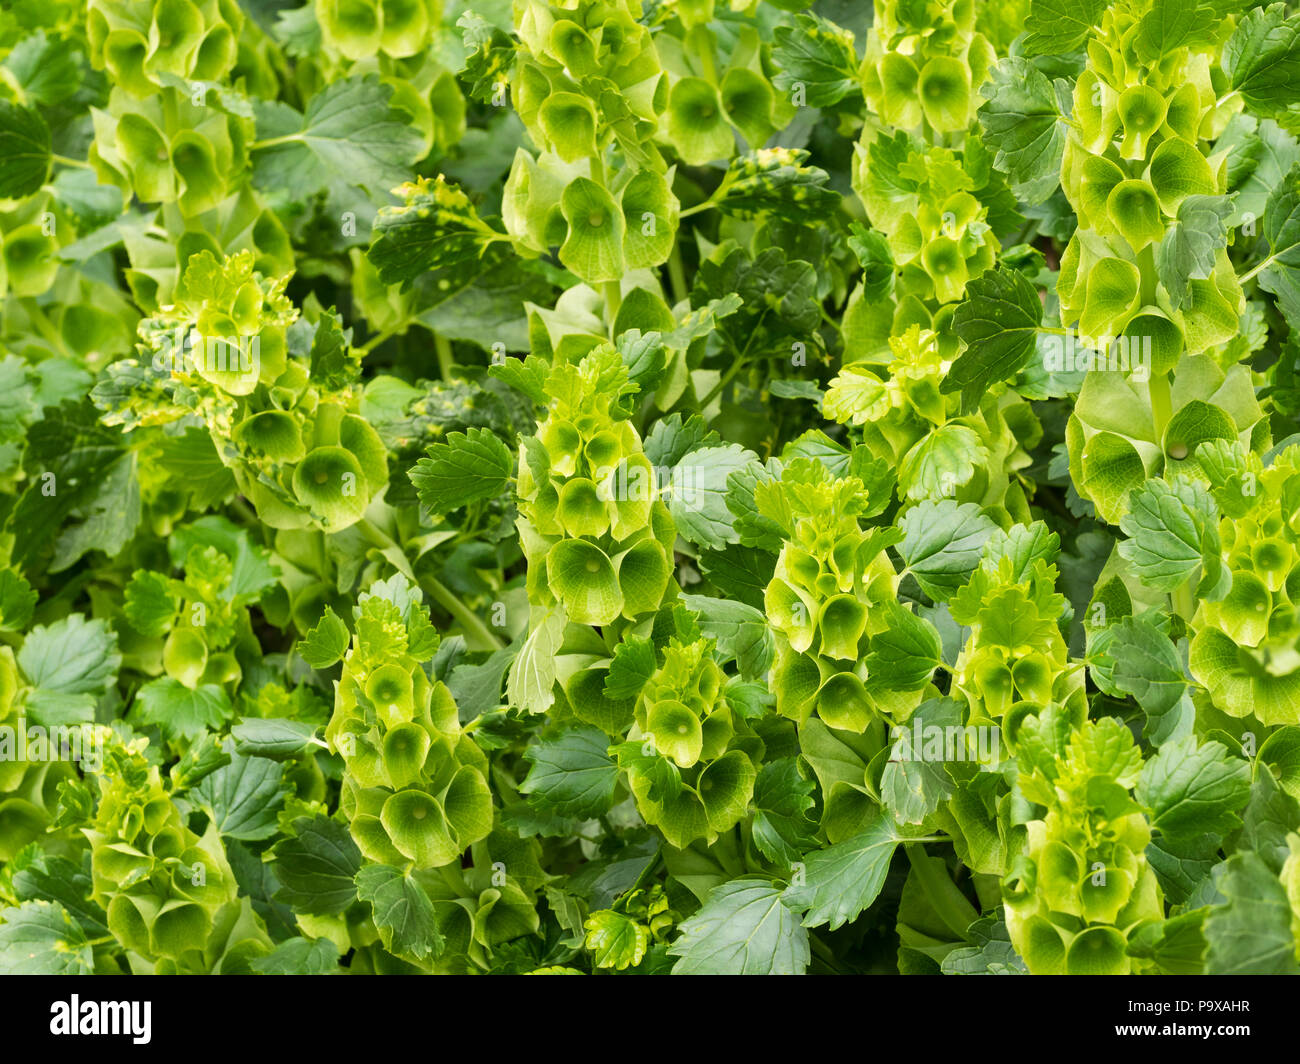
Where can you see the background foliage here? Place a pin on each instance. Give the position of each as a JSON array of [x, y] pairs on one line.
[[511, 487]]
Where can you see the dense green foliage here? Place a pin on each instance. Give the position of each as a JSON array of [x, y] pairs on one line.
[[627, 487]]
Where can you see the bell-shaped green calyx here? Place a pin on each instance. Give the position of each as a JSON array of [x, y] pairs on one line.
[[125, 51], [30, 260], [583, 578], [419, 829], [1177, 171], [650, 212], [1152, 326], [581, 510], [1098, 177], [1059, 869], [697, 122], [330, 484], [1110, 298], [574, 47], [1244, 680], [1042, 946], [841, 623], [1141, 112], [174, 35], [563, 445], [1135, 212], [1097, 951], [748, 101], [793, 611], [215, 55], [406, 26], [146, 153], [1104, 892], [843, 703], [643, 575], [585, 691], [725, 787], [593, 248], [390, 689], [360, 439], [202, 186], [569, 121], [676, 731], [273, 434], [898, 103], [185, 656], [352, 26], [405, 748], [944, 89]]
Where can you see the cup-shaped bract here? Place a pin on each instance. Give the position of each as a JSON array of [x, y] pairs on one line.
[[584, 579], [697, 122]]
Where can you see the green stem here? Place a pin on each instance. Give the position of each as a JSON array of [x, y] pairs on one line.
[[677, 274], [63, 160], [700, 43], [43, 325], [478, 636], [1183, 602], [442, 347], [708, 204], [476, 632], [271, 142], [723, 381], [171, 118], [1146, 262], [740, 363], [378, 339], [1261, 266], [613, 300], [1162, 404], [952, 906]]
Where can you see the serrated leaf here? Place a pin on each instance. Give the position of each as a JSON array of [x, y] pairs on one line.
[[299, 956], [1187, 251], [818, 55], [632, 666], [1262, 60], [244, 797], [1057, 27], [572, 775], [278, 738], [402, 912], [697, 497], [71, 656], [1194, 788], [348, 132], [615, 941], [1022, 122], [316, 866], [1171, 529], [25, 148], [912, 786], [179, 711], [942, 544], [876, 259], [40, 938], [470, 466], [998, 323], [1281, 274], [842, 880], [1251, 934], [1148, 667], [783, 799], [744, 928]]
